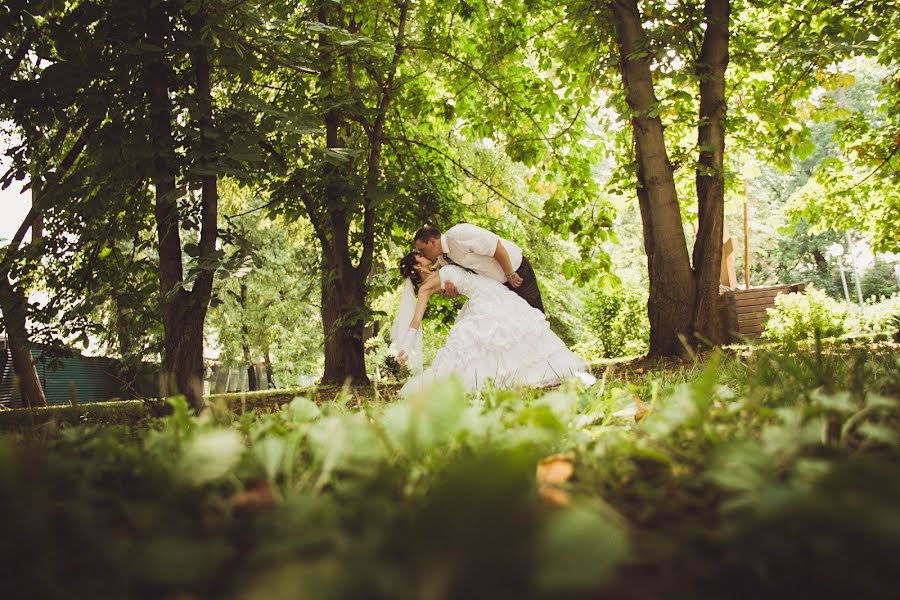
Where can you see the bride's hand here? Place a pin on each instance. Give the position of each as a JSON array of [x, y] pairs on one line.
[[401, 358], [450, 290]]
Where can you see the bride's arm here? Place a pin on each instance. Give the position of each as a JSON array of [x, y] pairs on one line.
[[428, 288], [432, 285]]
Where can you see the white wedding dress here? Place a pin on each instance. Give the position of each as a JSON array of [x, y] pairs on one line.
[[498, 336]]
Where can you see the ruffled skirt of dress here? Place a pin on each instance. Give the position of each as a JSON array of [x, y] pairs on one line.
[[505, 341]]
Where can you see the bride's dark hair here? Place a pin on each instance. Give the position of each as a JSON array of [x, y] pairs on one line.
[[408, 268]]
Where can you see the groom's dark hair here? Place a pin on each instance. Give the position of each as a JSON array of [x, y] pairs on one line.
[[426, 233]]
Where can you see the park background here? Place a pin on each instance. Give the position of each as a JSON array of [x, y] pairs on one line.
[[201, 188]]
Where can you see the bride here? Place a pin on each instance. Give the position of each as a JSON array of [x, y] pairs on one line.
[[497, 335]]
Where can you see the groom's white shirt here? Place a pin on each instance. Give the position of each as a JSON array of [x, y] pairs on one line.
[[472, 247]]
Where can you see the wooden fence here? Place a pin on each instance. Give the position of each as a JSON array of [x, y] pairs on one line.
[[744, 311]]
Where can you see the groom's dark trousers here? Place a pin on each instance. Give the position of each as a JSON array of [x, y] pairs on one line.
[[529, 289]]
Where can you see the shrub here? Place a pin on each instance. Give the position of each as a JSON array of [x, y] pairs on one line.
[[878, 315], [798, 316], [879, 280], [619, 324]]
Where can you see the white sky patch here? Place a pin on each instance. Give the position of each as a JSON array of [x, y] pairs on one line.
[[14, 203]]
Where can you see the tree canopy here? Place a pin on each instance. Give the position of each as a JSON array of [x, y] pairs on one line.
[[335, 129]]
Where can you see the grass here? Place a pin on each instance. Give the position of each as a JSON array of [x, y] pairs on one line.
[[140, 412], [645, 377], [750, 474]]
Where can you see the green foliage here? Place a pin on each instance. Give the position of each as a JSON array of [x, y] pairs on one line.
[[805, 315], [264, 309], [385, 500], [855, 186], [880, 280], [618, 322], [813, 314], [877, 315]]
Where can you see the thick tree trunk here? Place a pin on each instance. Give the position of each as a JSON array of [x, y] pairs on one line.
[[710, 182], [344, 306], [343, 310], [12, 301], [343, 285], [183, 349], [670, 306]]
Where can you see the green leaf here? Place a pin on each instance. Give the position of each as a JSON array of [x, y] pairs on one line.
[[270, 452], [578, 550], [303, 410], [880, 432], [209, 455]]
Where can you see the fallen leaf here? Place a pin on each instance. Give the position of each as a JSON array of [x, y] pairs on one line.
[[642, 409], [555, 469], [553, 497], [257, 494]]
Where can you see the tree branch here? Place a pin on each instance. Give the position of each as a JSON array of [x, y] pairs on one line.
[[494, 85], [471, 174], [65, 164], [869, 176], [375, 142], [267, 54], [19, 55]]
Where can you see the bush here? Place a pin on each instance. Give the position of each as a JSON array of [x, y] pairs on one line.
[[619, 324], [879, 315], [879, 281], [798, 316]]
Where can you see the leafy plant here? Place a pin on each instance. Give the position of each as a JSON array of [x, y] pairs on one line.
[[877, 315], [618, 324], [800, 316], [701, 467]]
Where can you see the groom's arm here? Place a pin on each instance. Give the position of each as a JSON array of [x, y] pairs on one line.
[[502, 257], [478, 240]]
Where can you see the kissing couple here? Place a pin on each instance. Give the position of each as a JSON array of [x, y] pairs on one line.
[[500, 334]]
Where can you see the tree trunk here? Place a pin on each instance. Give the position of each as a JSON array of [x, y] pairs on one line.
[[710, 181], [252, 384], [183, 350], [183, 312], [344, 308], [821, 262], [343, 318], [127, 372], [270, 376], [37, 226], [343, 285], [670, 306], [12, 301]]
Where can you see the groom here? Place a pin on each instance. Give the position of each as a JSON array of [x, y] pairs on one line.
[[483, 252]]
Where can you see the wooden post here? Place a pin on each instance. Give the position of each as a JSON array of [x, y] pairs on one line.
[[727, 275], [746, 238]]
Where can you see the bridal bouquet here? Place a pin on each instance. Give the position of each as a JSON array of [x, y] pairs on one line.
[[382, 358]]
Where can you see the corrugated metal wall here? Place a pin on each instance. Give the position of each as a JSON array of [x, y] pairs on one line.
[[84, 378]]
